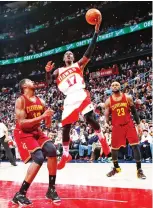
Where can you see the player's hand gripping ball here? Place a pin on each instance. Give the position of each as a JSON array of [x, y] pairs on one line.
[[92, 16]]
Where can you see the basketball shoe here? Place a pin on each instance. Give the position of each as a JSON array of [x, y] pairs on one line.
[[52, 194], [63, 161], [140, 174], [113, 171], [21, 199]]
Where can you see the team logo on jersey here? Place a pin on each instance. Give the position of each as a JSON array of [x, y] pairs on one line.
[[118, 105], [66, 73], [34, 108]]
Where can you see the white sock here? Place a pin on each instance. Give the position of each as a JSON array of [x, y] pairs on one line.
[[66, 150]]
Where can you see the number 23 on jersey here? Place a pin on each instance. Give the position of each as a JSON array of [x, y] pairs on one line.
[[120, 112]]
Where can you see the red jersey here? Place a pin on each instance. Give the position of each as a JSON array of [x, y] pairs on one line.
[[32, 109], [120, 111]]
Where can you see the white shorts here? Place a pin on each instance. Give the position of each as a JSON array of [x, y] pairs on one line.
[[74, 104]]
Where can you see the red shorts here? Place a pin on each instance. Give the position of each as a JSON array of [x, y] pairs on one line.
[[121, 133], [27, 143]]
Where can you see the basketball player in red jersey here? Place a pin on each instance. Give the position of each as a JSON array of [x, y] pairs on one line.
[[120, 106], [32, 142], [70, 81]]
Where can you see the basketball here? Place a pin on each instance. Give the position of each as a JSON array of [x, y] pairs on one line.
[[92, 16]]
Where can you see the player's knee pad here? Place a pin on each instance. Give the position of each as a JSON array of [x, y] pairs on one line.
[[38, 157], [49, 149], [66, 133]]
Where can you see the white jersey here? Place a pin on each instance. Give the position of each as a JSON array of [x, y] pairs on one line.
[[70, 79]]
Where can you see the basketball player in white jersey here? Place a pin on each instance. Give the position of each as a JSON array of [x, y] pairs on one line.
[[70, 81]]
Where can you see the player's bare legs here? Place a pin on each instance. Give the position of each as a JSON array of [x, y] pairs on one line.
[[31, 173], [20, 197], [66, 157], [50, 151], [38, 157], [90, 119], [137, 157], [116, 168]]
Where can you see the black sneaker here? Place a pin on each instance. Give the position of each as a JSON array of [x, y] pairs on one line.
[[21, 199], [14, 164], [52, 194], [140, 174], [113, 171]]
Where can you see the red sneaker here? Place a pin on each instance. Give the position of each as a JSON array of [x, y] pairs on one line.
[[63, 161]]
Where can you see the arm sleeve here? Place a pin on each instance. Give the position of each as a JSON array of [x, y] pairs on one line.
[[91, 46], [135, 114]]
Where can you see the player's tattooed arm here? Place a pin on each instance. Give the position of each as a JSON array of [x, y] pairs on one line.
[[107, 110], [133, 109], [87, 55], [22, 117]]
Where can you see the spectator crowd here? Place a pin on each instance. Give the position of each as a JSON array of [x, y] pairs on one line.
[[135, 79], [42, 42], [53, 21]]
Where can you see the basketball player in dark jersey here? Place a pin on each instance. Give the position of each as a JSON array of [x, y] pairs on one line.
[[120, 106], [32, 142]]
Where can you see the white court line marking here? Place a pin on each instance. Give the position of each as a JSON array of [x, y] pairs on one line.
[[94, 199]]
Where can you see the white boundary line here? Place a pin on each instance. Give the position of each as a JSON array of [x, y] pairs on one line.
[[96, 199], [93, 199]]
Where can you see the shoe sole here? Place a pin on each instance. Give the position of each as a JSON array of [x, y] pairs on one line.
[[58, 200], [20, 203], [14, 202], [141, 178], [113, 175]]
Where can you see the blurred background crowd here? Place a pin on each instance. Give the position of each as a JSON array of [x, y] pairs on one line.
[[28, 28]]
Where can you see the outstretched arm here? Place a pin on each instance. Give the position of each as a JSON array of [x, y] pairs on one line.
[[87, 55]]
